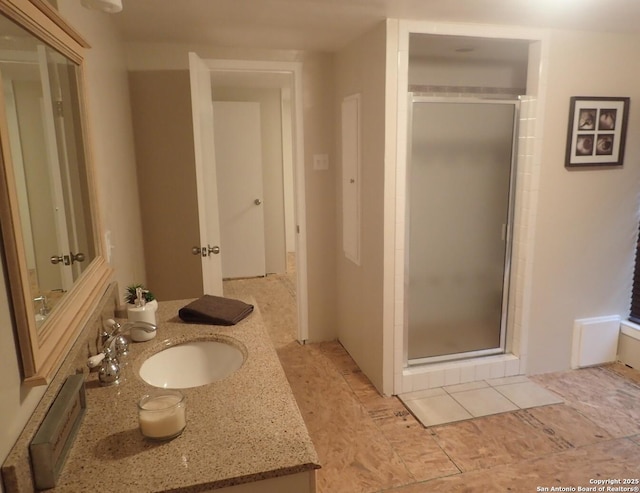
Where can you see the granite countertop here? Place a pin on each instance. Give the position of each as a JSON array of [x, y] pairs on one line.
[[244, 428]]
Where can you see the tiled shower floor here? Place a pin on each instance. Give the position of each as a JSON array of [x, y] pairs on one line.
[[472, 400], [368, 443]]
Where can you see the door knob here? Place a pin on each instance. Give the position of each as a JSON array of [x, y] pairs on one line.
[[67, 259], [205, 251], [77, 257], [56, 259], [60, 259], [257, 201]]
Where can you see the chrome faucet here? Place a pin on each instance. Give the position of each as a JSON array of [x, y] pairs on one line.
[[115, 334], [114, 346], [44, 307]]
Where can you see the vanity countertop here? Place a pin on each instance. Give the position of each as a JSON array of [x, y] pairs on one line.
[[244, 428]]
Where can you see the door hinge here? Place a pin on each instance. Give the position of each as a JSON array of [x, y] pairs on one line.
[[58, 108], [298, 228]]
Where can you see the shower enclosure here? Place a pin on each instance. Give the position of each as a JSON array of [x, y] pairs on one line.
[[459, 204]]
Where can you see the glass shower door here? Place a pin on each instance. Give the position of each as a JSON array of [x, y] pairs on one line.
[[459, 182]]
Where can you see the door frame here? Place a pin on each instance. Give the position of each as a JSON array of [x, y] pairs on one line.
[[294, 70], [397, 378]]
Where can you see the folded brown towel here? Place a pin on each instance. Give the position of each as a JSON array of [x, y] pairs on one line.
[[215, 310]]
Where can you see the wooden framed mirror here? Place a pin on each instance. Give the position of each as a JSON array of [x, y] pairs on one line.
[[48, 210]]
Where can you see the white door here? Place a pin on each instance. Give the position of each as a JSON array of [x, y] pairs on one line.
[[238, 152], [202, 109], [64, 230]]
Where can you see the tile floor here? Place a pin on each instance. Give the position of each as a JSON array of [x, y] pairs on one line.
[[472, 400], [369, 443]]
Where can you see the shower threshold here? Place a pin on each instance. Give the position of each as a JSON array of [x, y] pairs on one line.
[[454, 357], [420, 376]]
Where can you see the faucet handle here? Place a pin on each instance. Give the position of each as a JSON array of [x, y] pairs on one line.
[[94, 361], [111, 325], [112, 337]]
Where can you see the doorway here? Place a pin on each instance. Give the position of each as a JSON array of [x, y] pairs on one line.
[[173, 125], [231, 78], [461, 165], [239, 149]]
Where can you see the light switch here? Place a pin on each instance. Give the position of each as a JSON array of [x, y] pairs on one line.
[[320, 162]]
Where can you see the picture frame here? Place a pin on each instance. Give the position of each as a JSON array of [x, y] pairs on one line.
[[597, 131]]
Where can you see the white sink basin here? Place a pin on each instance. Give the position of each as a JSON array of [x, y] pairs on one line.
[[191, 364]]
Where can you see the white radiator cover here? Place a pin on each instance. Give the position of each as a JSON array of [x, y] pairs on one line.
[[629, 344], [595, 341]]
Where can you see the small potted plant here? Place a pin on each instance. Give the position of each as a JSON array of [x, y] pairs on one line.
[[141, 305], [132, 295]]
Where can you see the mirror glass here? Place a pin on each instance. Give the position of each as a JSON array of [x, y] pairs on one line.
[[43, 118]]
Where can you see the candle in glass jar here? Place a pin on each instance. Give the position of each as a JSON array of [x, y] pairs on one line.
[[162, 414]]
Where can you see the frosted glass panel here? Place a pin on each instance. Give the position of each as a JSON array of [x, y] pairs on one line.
[[459, 179]]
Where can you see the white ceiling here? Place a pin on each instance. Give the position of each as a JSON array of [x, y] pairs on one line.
[[328, 25]]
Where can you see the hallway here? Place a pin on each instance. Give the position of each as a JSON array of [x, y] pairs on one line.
[[368, 443]]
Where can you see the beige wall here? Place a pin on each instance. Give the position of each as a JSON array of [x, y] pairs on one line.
[[112, 140], [587, 220], [163, 129], [319, 138], [360, 68]]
